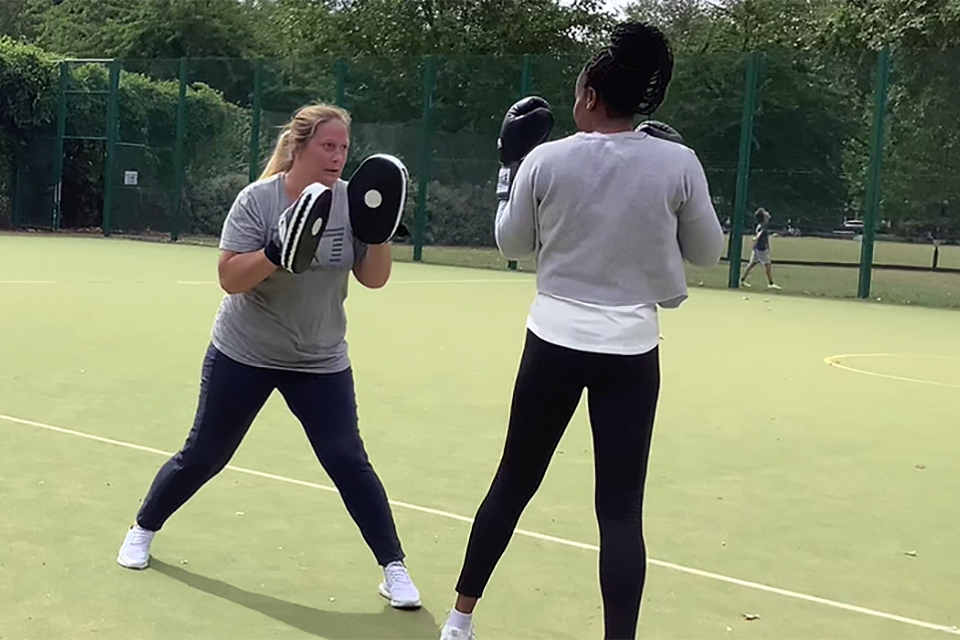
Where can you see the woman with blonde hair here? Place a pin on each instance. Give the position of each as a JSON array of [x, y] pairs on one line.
[[282, 326]]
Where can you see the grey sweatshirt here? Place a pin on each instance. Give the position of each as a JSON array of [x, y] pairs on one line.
[[610, 218]]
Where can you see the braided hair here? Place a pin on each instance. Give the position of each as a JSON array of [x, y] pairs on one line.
[[631, 74]]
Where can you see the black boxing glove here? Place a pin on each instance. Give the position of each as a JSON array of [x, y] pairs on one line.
[[527, 124], [660, 130]]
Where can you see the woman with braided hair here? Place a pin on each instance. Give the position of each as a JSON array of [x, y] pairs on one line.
[[610, 214]]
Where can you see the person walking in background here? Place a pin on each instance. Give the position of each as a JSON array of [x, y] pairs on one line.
[[761, 250]]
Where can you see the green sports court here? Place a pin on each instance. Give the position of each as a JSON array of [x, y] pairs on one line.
[[803, 478]]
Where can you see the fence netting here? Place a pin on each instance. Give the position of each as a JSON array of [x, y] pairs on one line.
[[162, 147]]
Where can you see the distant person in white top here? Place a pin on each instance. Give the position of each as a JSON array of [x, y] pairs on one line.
[[760, 253], [610, 213]]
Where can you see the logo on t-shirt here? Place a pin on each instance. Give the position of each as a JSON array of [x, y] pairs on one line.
[[332, 246]]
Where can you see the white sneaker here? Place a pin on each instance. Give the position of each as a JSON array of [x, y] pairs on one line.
[[449, 632], [398, 588], [135, 552]]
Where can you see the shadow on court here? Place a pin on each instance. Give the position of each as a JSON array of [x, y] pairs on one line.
[[389, 624]]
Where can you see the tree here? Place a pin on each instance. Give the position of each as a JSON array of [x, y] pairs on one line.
[[419, 27], [922, 141], [149, 31], [814, 112], [13, 23], [805, 115]]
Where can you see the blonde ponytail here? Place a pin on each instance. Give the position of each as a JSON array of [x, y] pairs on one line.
[[282, 159], [298, 132]]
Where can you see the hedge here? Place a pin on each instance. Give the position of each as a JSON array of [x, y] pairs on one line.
[[216, 131]]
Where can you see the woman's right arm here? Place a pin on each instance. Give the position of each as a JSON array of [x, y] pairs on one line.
[[243, 263], [240, 272], [516, 226], [699, 231]]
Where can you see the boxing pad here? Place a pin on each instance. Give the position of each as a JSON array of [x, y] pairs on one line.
[[300, 229], [526, 124], [376, 194], [660, 130]]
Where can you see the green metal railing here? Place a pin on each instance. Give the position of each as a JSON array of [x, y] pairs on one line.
[[175, 150]]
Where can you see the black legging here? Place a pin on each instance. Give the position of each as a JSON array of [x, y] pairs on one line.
[[622, 399]]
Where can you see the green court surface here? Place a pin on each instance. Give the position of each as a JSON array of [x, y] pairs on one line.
[[803, 468]]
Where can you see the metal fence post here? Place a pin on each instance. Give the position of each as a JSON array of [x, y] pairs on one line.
[[112, 133], [255, 116], [735, 247], [58, 147], [426, 152], [872, 197], [178, 159]]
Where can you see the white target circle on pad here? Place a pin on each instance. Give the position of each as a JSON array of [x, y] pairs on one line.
[[372, 198]]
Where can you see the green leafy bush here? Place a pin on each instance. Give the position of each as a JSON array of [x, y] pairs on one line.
[[215, 140]]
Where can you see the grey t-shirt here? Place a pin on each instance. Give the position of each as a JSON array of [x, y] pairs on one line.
[[290, 322]]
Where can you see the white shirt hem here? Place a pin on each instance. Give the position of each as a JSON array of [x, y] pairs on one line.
[[615, 330]]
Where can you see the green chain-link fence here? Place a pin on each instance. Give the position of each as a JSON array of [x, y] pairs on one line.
[[855, 155]]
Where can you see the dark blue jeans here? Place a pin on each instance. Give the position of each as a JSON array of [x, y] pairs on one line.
[[231, 396]]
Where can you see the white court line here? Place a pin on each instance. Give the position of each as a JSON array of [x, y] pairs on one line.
[[28, 282], [466, 281], [396, 282], [212, 283], [531, 534]]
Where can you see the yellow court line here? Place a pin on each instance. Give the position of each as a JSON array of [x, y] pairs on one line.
[[833, 361], [531, 534]]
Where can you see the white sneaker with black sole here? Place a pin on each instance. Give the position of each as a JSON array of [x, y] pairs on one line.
[[398, 588], [135, 552]]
